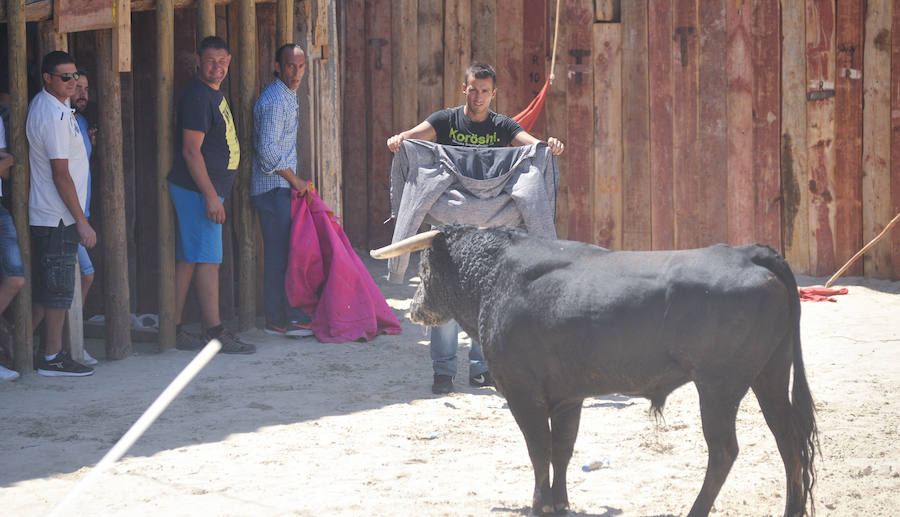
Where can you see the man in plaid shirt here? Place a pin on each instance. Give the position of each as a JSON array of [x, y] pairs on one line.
[[276, 118]]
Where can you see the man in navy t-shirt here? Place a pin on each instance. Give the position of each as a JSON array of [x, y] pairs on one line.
[[471, 125], [206, 160]]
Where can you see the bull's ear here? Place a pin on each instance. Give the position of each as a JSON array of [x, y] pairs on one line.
[[409, 245]]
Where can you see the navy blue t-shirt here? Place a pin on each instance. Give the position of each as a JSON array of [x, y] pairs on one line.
[[453, 127], [203, 109]]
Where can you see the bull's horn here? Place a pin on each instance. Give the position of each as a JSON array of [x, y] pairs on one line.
[[409, 245]]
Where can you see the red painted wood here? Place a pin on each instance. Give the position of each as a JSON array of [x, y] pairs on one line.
[[660, 48], [714, 124], [685, 119], [535, 60], [579, 106], [848, 117], [379, 119], [354, 135], [510, 66]]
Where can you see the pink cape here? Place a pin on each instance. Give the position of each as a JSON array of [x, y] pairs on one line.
[[327, 279]]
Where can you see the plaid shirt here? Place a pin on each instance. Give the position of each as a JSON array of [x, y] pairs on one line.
[[275, 120]]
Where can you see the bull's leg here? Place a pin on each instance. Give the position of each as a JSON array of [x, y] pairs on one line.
[[718, 411], [564, 428], [771, 389], [532, 419]]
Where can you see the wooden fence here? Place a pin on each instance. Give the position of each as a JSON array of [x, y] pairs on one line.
[[686, 123]]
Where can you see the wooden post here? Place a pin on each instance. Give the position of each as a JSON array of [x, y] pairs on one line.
[[284, 22], [115, 238], [579, 17], [165, 108], [18, 92], [740, 191], [714, 124], [431, 57], [405, 58], [606, 61], [329, 108], [685, 113], [121, 37], [379, 102], [659, 50], [245, 218], [206, 19], [354, 144], [509, 65]]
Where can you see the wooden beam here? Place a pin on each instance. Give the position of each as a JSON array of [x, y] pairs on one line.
[[579, 190], [379, 65], [686, 145], [284, 22], [457, 48], [165, 108], [877, 204], [606, 61], [555, 105], [354, 136], [484, 31], [794, 171], [714, 124], [662, 208], [115, 239], [122, 36], [405, 60], [328, 124], [49, 39], [431, 57], [534, 61], [18, 93], [245, 218], [740, 190], [206, 19], [510, 60]]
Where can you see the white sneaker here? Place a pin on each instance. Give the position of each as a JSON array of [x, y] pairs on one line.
[[88, 360], [8, 375]]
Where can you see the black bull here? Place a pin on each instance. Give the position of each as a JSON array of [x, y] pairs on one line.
[[561, 321]]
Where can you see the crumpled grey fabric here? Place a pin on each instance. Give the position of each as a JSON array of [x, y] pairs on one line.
[[489, 186]]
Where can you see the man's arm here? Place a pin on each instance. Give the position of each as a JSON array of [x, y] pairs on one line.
[[524, 138], [270, 123], [6, 161], [66, 189], [192, 141], [424, 131]]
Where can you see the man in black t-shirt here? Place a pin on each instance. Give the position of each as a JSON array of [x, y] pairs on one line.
[[471, 125], [206, 159]]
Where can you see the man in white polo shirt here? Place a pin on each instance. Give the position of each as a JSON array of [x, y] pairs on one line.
[[59, 183]]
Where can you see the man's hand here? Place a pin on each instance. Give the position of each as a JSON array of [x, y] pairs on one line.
[[556, 146], [92, 134], [87, 234], [215, 210], [394, 142]]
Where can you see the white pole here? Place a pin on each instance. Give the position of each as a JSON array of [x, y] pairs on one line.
[[137, 429]]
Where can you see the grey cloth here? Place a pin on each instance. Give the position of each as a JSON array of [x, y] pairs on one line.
[[494, 186]]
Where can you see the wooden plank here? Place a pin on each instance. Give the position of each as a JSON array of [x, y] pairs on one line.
[[848, 116], [636, 184], [876, 177], [579, 19], [245, 216], [122, 36], [820, 133], [714, 123], [895, 137], [793, 157], [510, 67], [165, 108], [83, 15], [484, 34], [685, 119], [405, 60], [329, 123], [430, 57], [457, 48], [557, 115], [206, 19], [767, 121], [534, 61], [379, 68], [284, 22], [608, 10], [117, 321], [659, 57], [606, 59], [266, 44], [354, 138], [49, 39], [740, 192]]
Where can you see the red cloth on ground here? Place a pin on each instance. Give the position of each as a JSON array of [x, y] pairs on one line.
[[328, 280], [819, 294], [529, 115]]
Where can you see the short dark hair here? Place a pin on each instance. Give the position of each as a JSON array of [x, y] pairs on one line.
[[480, 71], [83, 73], [212, 42], [280, 53], [53, 60]]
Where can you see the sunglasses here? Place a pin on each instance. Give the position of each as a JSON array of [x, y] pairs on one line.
[[66, 77]]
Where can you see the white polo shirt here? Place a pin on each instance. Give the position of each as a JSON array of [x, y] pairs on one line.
[[53, 134]]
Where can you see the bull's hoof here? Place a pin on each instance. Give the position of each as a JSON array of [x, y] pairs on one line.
[[562, 508]]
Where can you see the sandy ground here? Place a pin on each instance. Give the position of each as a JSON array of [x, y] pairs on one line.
[[306, 428]]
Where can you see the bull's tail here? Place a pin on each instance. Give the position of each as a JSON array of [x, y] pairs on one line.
[[803, 411]]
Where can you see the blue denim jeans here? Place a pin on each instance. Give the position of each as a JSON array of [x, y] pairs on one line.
[[10, 257], [444, 343], [54, 272], [274, 209]]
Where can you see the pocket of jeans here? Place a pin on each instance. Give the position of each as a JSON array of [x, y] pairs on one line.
[[60, 274]]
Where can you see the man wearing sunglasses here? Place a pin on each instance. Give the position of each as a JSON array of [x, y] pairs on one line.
[[57, 197]]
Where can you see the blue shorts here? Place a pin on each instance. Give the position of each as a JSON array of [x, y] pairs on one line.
[[84, 261], [53, 276], [198, 239], [10, 257]]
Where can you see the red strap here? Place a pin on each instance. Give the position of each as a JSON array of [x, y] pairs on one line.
[[529, 115]]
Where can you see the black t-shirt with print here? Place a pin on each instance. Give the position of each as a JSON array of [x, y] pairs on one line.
[[453, 127], [203, 109]]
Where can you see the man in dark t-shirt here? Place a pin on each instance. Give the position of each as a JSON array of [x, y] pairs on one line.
[[206, 159], [471, 125]]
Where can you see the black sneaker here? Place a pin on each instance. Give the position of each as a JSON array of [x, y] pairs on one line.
[[442, 384], [184, 340], [482, 380], [232, 345], [62, 366]]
